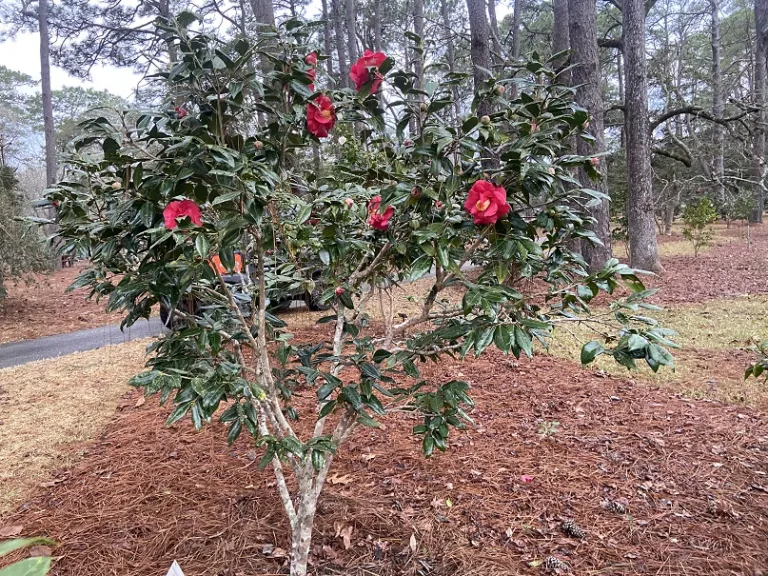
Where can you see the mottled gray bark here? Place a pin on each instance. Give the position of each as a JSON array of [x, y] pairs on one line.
[[582, 30], [643, 248]]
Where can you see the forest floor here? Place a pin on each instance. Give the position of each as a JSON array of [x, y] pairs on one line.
[[666, 474], [39, 306]]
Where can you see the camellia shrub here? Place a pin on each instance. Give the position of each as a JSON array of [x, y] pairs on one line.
[[224, 172]]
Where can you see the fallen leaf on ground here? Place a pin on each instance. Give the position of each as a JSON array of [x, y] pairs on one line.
[[40, 551], [336, 479], [412, 543], [12, 530], [140, 402]]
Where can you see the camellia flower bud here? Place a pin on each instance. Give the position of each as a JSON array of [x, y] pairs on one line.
[[485, 120], [407, 142], [439, 205], [585, 126], [339, 291], [117, 185], [258, 145], [500, 90], [349, 202], [423, 107], [534, 127], [416, 191], [595, 161]]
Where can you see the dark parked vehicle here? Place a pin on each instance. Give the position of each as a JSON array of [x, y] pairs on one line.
[[243, 275]]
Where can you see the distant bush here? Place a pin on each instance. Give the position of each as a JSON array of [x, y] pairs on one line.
[[697, 217], [21, 247]]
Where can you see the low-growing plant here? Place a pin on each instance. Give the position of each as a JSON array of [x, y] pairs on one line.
[[32, 566], [224, 172], [698, 217]]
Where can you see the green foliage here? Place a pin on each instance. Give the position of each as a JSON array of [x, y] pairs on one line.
[[239, 152], [34, 566], [21, 248], [698, 216], [760, 366]]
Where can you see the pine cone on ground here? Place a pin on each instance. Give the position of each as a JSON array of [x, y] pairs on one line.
[[554, 565], [615, 506], [570, 528]]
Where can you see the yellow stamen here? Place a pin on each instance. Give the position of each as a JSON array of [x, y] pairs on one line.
[[482, 205], [325, 113]]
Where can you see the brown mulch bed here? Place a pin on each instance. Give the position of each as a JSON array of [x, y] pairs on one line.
[[42, 307], [692, 475], [727, 270]]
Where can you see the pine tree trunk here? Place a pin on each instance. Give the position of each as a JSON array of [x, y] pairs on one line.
[[450, 53], [47, 94], [562, 37], [494, 28], [643, 249], [263, 12], [479, 51], [585, 75], [620, 77], [516, 15], [758, 100], [377, 25], [418, 62], [351, 13], [327, 39], [718, 104], [341, 50]]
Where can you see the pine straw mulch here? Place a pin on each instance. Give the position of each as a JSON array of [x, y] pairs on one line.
[[40, 306], [728, 269], [691, 474]]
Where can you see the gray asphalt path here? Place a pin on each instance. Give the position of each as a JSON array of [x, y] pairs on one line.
[[25, 351], [17, 353]]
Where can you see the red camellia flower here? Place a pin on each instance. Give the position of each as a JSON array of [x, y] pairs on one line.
[[181, 112], [376, 219], [339, 291], [321, 116], [486, 202], [359, 70], [311, 58], [179, 209]]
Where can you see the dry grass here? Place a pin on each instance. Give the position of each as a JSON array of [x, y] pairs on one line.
[[48, 407], [716, 338]]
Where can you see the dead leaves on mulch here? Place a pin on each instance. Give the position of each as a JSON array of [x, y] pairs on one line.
[[657, 484]]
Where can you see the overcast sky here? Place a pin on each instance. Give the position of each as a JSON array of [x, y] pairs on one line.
[[23, 54]]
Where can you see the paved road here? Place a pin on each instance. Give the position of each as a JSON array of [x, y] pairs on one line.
[[17, 353], [25, 351]]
